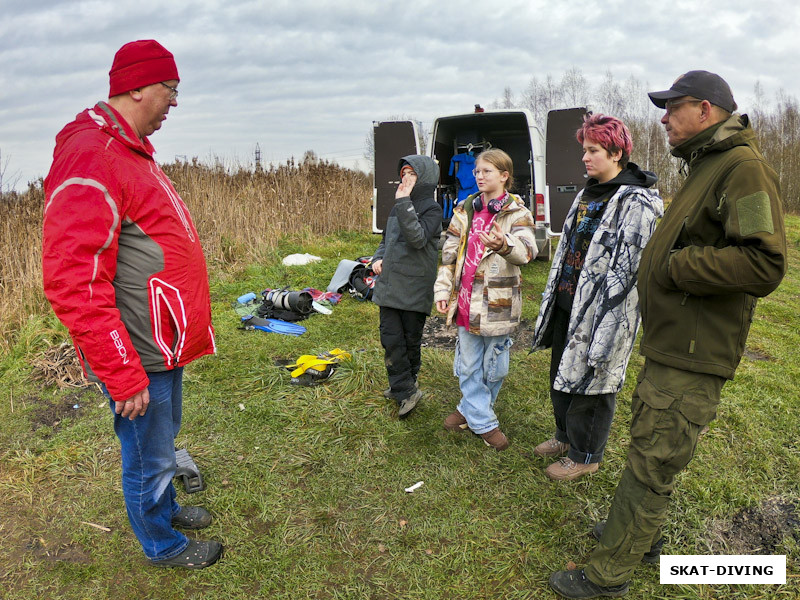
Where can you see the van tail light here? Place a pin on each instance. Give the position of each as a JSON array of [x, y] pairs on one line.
[[539, 214]]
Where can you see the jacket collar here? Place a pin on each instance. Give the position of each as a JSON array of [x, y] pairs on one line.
[[735, 131], [115, 125]]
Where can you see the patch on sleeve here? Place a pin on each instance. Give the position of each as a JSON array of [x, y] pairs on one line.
[[755, 214]]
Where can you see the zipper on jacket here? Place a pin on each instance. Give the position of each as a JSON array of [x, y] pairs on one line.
[[172, 355], [685, 298], [720, 203]]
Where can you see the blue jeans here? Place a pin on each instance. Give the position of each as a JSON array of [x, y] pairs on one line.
[[148, 466], [481, 364]]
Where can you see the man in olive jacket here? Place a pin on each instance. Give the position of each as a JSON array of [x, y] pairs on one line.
[[720, 245], [406, 262]]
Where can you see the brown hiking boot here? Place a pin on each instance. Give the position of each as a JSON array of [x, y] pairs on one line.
[[496, 439], [455, 421], [566, 469], [551, 447]]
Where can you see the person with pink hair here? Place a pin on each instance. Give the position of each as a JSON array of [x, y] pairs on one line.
[[589, 313]]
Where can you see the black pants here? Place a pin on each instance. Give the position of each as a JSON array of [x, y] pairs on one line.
[[583, 422], [401, 337]]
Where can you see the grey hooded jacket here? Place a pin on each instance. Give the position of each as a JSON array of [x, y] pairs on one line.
[[409, 247]]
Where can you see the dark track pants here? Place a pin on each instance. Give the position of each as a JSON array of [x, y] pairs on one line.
[[401, 338]]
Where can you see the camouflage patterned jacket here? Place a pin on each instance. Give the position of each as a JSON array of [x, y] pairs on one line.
[[496, 302], [605, 313]]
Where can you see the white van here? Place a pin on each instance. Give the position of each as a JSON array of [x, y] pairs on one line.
[[548, 171]]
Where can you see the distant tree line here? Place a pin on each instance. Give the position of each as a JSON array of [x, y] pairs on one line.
[[776, 123]]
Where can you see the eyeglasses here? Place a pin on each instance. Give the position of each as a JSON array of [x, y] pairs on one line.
[[484, 172], [669, 106], [174, 91]]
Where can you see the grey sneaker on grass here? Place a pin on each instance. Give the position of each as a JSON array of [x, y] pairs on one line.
[[407, 405]]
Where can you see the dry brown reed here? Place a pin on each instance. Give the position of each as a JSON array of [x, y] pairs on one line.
[[21, 292], [240, 214]]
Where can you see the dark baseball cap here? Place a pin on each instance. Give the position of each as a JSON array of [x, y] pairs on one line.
[[701, 85]]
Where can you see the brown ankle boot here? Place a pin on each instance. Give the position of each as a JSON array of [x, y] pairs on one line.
[[496, 439], [455, 421]]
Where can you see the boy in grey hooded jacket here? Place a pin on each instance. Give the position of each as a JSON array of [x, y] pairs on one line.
[[406, 261]]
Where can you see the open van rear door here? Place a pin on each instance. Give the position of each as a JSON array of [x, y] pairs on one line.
[[392, 140], [566, 175]]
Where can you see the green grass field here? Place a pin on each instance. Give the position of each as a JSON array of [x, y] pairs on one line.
[[306, 484]]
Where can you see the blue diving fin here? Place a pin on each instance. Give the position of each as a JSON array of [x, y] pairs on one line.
[[273, 325]]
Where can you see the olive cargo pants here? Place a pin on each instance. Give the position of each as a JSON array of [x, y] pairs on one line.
[[668, 409]]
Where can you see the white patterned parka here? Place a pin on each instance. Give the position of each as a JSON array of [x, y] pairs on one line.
[[605, 312]]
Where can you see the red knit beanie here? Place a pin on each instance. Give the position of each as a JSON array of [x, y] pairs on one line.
[[138, 64]]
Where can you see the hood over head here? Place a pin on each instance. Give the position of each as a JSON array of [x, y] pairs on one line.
[[427, 175]]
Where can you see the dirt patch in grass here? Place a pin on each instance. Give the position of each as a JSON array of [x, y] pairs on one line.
[[756, 354], [57, 551], [50, 412], [29, 538], [757, 530], [58, 366], [437, 335]]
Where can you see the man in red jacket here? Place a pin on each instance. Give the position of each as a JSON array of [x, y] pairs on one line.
[[124, 271]]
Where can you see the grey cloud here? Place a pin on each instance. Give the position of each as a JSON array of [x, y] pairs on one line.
[[299, 75]]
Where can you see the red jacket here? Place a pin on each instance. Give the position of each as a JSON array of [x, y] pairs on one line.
[[122, 262]]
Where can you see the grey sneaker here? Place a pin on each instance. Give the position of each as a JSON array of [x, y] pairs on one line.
[[389, 394], [408, 404]]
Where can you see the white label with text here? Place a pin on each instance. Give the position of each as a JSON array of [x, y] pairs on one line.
[[731, 568]]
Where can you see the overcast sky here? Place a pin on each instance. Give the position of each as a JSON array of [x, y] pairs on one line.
[[303, 75]]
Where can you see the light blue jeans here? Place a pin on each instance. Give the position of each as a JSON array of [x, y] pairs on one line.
[[148, 466], [481, 364]]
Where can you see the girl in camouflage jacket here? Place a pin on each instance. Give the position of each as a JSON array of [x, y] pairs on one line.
[[478, 288]]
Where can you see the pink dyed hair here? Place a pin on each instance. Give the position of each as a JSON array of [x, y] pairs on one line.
[[609, 132]]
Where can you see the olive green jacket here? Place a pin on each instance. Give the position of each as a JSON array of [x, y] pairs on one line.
[[720, 245]]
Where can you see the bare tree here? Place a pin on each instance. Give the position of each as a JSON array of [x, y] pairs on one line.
[[507, 101], [575, 90], [540, 97], [7, 180], [777, 125], [610, 97]]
